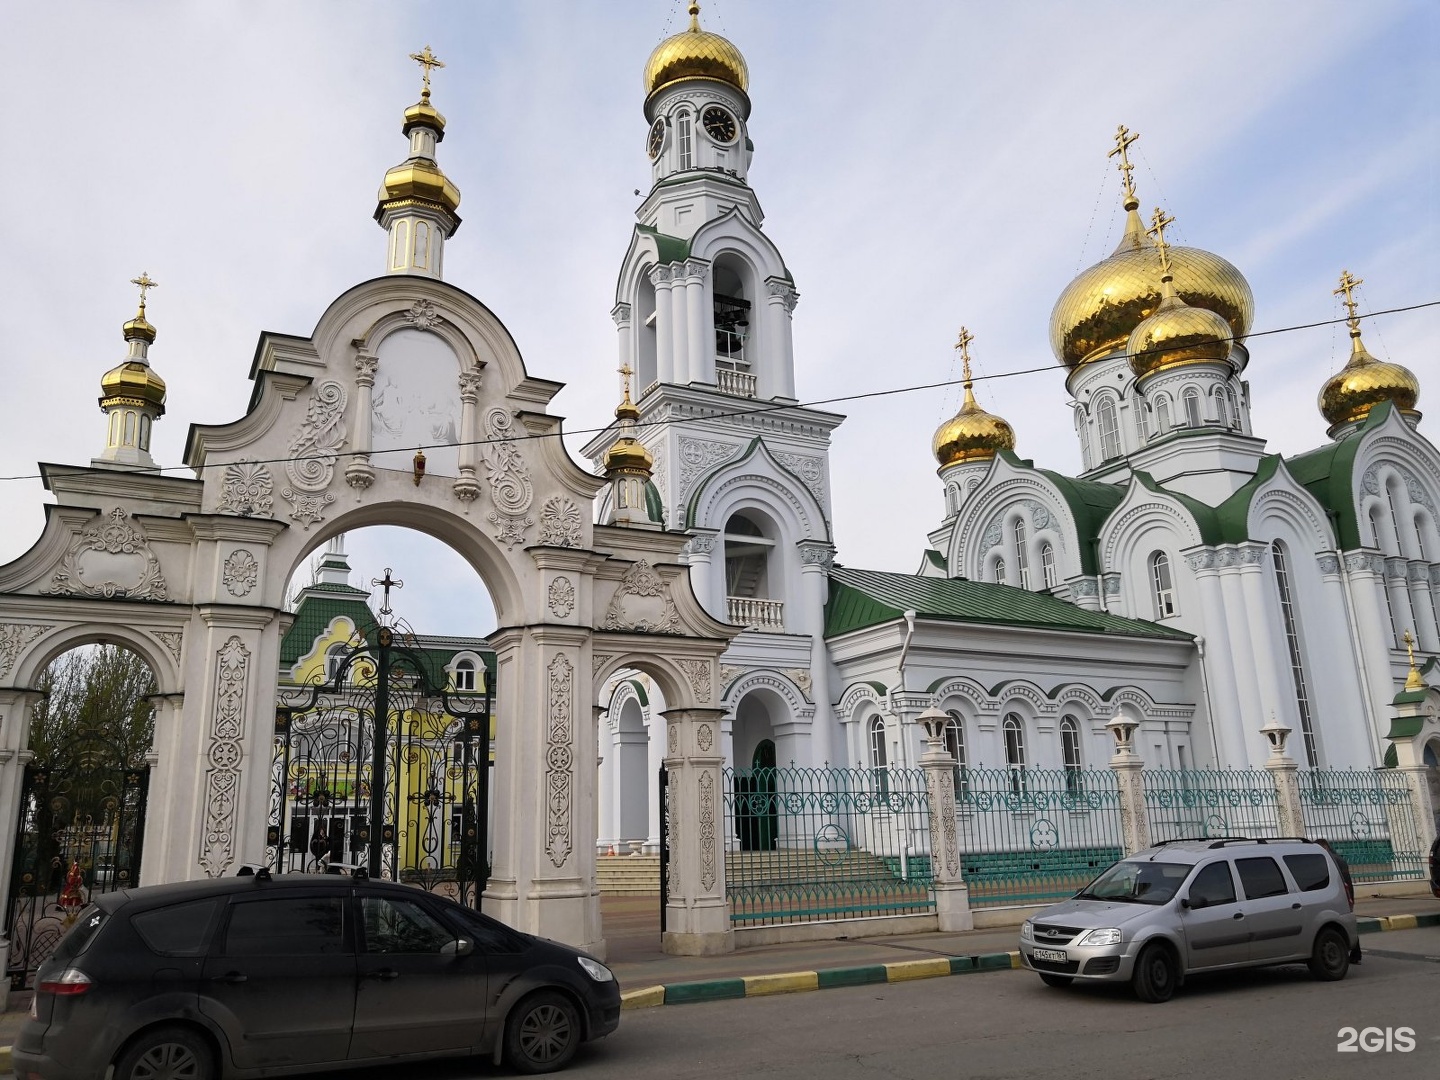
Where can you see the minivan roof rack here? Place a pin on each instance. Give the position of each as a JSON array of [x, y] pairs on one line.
[[1196, 840], [1222, 841]]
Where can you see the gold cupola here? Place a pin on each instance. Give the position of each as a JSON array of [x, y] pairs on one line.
[[1364, 381], [417, 202], [634, 499], [132, 396], [972, 434], [1097, 311], [1176, 334], [695, 54]]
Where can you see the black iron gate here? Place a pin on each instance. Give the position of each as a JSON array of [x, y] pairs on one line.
[[80, 832], [385, 768]]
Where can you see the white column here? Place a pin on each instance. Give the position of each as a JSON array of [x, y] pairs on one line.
[[359, 473], [697, 915], [1422, 604], [626, 341], [777, 371], [467, 484], [608, 784], [815, 561], [1242, 660], [1271, 657], [664, 334], [679, 323], [1128, 768], [1225, 715], [952, 897], [655, 758], [1363, 581], [702, 574], [1395, 573], [701, 364]]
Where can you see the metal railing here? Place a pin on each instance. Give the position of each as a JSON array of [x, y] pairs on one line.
[[1030, 836], [1210, 802], [1368, 817], [739, 383], [757, 614], [813, 845]]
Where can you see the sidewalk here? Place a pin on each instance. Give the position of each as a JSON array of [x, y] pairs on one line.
[[650, 977]]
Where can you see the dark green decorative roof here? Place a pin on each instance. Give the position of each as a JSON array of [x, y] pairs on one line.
[[801, 488], [1328, 473], [1392, 757], [1090, 504], [936, 559], [861, 598], [668, 248], [1205, 516], [654, 505]]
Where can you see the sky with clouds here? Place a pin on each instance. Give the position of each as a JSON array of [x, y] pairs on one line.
[[921, 165]]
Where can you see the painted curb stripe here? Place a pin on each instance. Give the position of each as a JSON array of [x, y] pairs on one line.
[[647, 998], [856, 976], [717, 990], [5, 1063], [794, 983], [1403, 922], [917, 969], [1368, 925]]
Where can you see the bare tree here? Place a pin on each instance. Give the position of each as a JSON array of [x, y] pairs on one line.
[[98, 691]]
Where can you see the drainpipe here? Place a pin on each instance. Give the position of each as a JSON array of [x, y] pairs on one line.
[[904, 763], [1209, 706]]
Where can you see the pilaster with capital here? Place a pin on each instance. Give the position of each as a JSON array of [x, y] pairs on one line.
[[697, 916], [1363, 573], [664, 332], [700, 554], [778, 375], [1282, 769], [467, 485], [700, 323], [816, 559], [359, 473], [625, 336], [1129, 770]]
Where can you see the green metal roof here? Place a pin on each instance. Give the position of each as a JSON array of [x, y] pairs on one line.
[[861, 598], [1090, 504], [1328, 473], [1207, 520], [668, 248]]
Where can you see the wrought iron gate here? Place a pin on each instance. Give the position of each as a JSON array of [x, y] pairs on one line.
[[81, 827], [384, 767]]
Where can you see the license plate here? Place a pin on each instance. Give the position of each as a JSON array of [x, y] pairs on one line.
[[1055, 956]]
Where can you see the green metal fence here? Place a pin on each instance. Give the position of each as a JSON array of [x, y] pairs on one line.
[[1031, 836], [811, 845], [1368, 817], [1210, 802]]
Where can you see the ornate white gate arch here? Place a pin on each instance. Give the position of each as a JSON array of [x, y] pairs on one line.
[[192, 573]]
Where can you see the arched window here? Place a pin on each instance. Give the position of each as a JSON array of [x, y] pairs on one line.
[[1234, 407], [1164, 585], [1292, 642], [144, 432], [1000, 571], [334, 657], [1191, 398], [1070, 754], [1162, 415], [1047, 565], [1022, 565], [1015, 752], [114, 429], [1142, 420], [129, 428], [1109, 429], [879, 762], [684, 140], [1222, 407], [465, 675], [753, 572], [1390, 492], [955, 746]]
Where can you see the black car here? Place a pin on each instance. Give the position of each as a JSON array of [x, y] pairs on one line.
[[255, 975]]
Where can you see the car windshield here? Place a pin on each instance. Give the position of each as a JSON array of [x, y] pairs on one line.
[[1137, 883]]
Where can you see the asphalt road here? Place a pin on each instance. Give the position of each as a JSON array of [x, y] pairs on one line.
[[1275, 1024]]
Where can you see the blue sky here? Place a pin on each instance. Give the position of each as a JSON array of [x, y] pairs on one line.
[[920, 165]]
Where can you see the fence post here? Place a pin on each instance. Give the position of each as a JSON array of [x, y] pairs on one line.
[[1414, 722], [1284, 775], [952, 896], [1130, 783]]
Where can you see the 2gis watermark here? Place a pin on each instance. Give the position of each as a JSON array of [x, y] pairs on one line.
[[1375, 1040]]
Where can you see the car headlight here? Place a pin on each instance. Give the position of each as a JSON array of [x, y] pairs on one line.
[[596, 970], [1027, 930], [1109, 936]]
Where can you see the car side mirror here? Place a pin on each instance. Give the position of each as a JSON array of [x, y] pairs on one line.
[[458, 947], [1194, 902]]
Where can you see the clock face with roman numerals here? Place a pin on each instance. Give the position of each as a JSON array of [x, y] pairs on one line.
[[719, 124], [655, 142]]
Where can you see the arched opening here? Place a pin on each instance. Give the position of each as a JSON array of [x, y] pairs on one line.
[[734, 318], [1047, 565], [1070, 754], [1162, 415], [82, 799], [1022, 561], [643, 320], [1163, 583], [1013, 730], [879, 756], [753, 584], [1191, 398], [1109, 425]]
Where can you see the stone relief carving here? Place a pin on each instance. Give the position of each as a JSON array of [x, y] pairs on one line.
[[1370, 483], [817, 555], [1419, 572], [599, 660], [241, 572], [700, 544], [1086, 586], [423, 315], [110, 558], [312, 451], [705, 738], [810, 470], [510, 488], [224, 757], [559, 762], [707, 829], [1362, 562], [672, 740], [642, 603], [562, 597], [171, 639], [14, 637], [1112, 584], [247, 490], [560, 523], [942, 825], [698, 672], [1039, 515], [728, 675], [992, 536], [1201, 560], [787, 294], [699, 456], [621, 314], [801, 678]]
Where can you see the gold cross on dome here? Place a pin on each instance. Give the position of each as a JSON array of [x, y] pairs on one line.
[[1159, 222], [145, 285], [389, 583], [962, 345], [427, 60], [1409, 640], [625, 372], [1123, 138], [1348, 284]]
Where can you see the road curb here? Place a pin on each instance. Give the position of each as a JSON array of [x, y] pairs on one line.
[[798, 982], [6, 1065]]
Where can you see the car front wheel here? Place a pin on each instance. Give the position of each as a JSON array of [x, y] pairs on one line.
[[167, 1053], [1156, 974], [1330, 958], [542, 1033]]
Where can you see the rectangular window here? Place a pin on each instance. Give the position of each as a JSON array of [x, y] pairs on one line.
[[287, 926], [1311, 872], [179, 930], [1213, 885], [686, 148], [402, 926], [1261, 877]]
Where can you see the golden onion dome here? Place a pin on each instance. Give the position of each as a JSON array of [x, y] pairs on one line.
[[419, 180], [133, 382], [1100, 308], [139, 328], [695, 53], [423, 114], [1365, 382], [628, 455], [1177, 334], [972, 434]]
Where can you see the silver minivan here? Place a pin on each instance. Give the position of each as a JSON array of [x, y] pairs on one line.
[[1199, 905]]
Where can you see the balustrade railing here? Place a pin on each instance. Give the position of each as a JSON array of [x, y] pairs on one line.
[[757, 614], [739, 383]]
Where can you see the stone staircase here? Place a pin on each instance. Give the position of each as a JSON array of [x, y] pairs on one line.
[[623, 875]]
